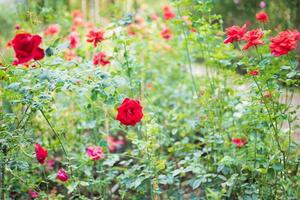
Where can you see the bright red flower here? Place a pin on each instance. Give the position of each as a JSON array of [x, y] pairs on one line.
[[52, 30], [253, 38], [239, 142], [284, 42], [235, 33], [33, 194], [95, 153], [262, 17], [167, 34], [95, 36], [73, 40], [114, 144], [26, 47], [254, 72], [130, 112], [62, 175], [101, 59], [40, 153], [168, 13]]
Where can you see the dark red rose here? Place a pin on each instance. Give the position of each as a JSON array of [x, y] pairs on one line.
[[40, 153], [26, 47], [262, 17], [253, 38], [235, 33], [239, 142], [284, 42], [130, 112]]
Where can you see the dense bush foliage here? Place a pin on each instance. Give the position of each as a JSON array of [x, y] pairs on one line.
[[115, 110]]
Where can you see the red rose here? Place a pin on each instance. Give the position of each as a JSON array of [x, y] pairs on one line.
[[284, 42], [130, 112], [26, 47], [168, 13], [73, 40], [253, 38], [95, 153], [262, 17], [235, 33], [95, 36], [40, 153], [101, 59], [254, 72], [62, 175], [239, 142], [166, 34]]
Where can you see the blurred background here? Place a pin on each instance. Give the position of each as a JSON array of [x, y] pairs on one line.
[[283, 13]]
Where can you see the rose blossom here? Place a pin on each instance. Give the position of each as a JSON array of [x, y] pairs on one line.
[[114, 144], [253, 38], [168, 13], [33, 194], [26, 47], [284, 42], [40, 153], [254, 72], [262, 4], [62, 175], [262, 17], [130, 112], [166, 34], [235, 33], [101, 59], [239, 142], [95, 152], [73, 40], [95, 37], [52, 30]]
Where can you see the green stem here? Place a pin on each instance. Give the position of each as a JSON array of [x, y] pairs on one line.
[[2, 182], [188, 57], [60, 141], [55, 133], [128, 69], [270, 118]]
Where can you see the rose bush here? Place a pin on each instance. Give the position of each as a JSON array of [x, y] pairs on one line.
[[114, 110]]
